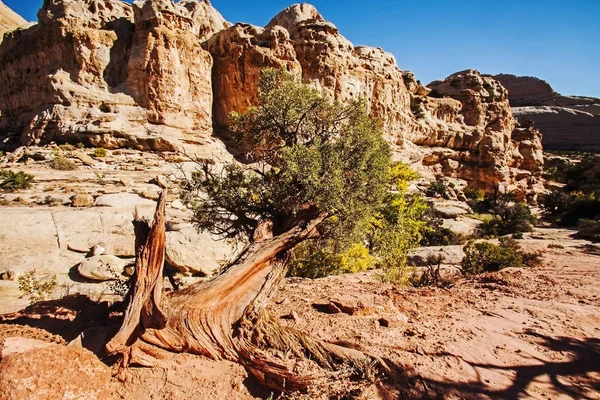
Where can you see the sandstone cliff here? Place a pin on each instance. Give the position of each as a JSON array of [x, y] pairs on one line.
[[9, 20], [566, 122], [110, 74], [158, 75], [466, 131]]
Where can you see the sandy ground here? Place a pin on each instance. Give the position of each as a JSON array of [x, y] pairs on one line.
[[519, 333]]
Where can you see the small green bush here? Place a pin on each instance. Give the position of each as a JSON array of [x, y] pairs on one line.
[[438, 188], [99, 152], [62, 163], [435, 234], [35, 289], [483, 257], [508, 219], [11, 181]]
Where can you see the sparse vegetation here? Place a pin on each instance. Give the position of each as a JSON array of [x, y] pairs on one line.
[[485, 256], [11, 181], [61, 162], [508, 215], [100, 152], [36, 289], [438, 188]]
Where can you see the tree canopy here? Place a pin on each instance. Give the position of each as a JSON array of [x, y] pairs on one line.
[[310, 158]]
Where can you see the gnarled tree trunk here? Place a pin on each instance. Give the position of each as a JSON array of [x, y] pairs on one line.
[[224, 318]]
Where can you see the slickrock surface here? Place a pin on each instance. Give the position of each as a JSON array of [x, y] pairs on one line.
[[157, 75], [566, 122]]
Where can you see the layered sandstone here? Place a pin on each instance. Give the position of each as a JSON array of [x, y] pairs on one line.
[[566, 122], [110, 74], [157, 74], [464, 129], [9, 20]]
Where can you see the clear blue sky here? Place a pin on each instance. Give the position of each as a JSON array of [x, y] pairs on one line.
[[556, 40]]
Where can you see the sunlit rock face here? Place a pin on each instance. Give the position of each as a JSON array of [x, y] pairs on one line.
[[110, 74], [9, 20], [461, 127], [566, 122], [155, 74]]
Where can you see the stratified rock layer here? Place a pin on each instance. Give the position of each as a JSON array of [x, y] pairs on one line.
[[155, 74], [466, 131], [566, 122]]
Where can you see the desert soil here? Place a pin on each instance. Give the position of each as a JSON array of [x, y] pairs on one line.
[[519, 333]]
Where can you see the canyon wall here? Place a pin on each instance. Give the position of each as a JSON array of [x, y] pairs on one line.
[[155, 75], [566, 122]]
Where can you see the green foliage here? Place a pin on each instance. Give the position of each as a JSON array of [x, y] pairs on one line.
[[508, 215], [67, 147], [60, 162], [312, 158], [36, 290], [556, 169], [430, 275], [435, 234], [100, 152], [487, 257], [313, 261], [438, 188], [11, 181]]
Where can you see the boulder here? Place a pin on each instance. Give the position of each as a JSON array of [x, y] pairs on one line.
[[102, 268], [194, 253], [32, 369], [450, 209], [452, 255]]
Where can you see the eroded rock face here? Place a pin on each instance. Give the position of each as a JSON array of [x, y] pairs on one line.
[[9, 20], [463, 129], [566, 122], [110, 74], [156, 74]]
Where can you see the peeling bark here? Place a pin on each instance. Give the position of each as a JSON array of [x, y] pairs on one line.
[[224, 318]]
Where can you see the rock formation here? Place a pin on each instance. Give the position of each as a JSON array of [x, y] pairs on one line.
[[9, 20], [566, 122], [156, 74], [465, 131], [110, 74]]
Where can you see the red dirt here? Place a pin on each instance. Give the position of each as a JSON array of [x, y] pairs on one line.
[[519, 333]]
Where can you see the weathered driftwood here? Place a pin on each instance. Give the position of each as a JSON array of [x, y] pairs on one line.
[[224, 318]]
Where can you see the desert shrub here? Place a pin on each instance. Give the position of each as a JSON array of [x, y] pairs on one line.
[[556, 169], [62, 163], [435, 233], [313, 159], [507, 215], [483, 257], [475, 195], [438, 188], [508, 219], [11, 181], [67, 147], [100, 152], [35, 289], [430, 275], [313, 262]]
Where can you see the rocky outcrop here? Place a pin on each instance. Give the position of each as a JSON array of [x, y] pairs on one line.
[[566, 122], [9, 20], [110, 74], [464, 128], [157, 74]]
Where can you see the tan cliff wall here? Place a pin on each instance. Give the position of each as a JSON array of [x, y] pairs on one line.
[[566, 122], [9, 20], [156, 74]]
